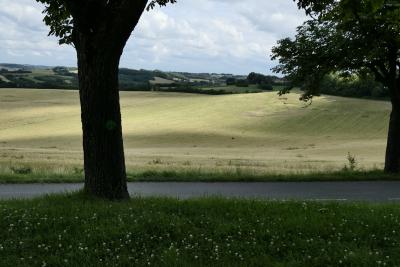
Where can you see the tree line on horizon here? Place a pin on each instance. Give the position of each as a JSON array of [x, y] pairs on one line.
[[138, 80]]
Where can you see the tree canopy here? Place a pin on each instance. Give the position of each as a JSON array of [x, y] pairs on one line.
[[347, 36], [62, 16]]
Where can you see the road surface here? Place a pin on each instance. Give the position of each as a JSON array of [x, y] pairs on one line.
[[319, 191]]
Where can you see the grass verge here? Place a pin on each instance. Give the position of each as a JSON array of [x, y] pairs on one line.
[[248, 176], [73, 230], [202, 176]]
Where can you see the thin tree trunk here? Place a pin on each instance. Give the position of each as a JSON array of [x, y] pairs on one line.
[[392, 163], [104, 161]]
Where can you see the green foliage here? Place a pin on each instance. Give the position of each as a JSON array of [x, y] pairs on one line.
[[56, 78], [257, 78], [344, 36], [187, 88], [59, 19], [19, 71], [129, 80], [242, 83], [153, 3], [63, 16], [63, 71], [266, 86], [230, 81], [21, 170], [27, 174], [353, 86], [59, 14], [352, 163], [307, 59]]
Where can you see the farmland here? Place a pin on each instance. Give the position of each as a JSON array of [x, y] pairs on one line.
[[261, 133]]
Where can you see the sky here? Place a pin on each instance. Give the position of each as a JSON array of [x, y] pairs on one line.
[[219, 36]]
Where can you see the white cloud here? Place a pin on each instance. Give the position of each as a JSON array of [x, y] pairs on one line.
[[194, 35]]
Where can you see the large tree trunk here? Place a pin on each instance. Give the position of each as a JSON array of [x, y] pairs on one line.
[[104, 161], [100, 32], [392, 163]]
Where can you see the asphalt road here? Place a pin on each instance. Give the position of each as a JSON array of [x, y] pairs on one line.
[[319, 191]]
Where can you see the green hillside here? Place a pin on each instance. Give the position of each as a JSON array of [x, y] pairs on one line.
[[45, 77], [261, 132]]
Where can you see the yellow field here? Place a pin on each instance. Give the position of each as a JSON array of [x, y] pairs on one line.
[[262, 132]]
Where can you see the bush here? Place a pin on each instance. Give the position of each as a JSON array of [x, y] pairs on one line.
[[184, 88], [353, 86], [21, 170], [266, 87], [230, 81], [242, 83]]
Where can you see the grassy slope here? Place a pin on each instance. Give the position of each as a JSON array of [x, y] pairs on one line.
[[235, 89], [183, 132], [73, 231]]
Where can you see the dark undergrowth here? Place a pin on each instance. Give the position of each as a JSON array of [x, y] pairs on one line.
[[203, 176]]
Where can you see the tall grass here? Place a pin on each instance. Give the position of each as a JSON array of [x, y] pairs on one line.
[[28, 174]]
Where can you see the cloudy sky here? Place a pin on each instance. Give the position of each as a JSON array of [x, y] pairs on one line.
[[223, 36]]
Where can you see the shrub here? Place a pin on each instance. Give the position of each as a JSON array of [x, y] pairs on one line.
[[230, 81], [242, 83], [266, 87], [21, 170]]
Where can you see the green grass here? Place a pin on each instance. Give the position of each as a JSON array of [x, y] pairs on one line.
[[234, 89], [201, 176], [76, 231], [243, 176], [262, 133]]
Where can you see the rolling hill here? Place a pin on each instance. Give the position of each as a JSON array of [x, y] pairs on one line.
[[46, 77], [259, 132]]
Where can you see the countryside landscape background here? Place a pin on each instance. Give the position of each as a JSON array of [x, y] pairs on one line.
[[232, 129], [125, 140]]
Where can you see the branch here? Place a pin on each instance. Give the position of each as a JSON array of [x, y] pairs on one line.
[[153, 3], [87, 14], [125, 17], [382, 68], [110, 22], [378, 74]]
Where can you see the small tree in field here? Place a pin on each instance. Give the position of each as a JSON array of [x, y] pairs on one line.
[[99, 30], [348, 37]]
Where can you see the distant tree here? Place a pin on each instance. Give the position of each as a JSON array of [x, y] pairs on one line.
[[242, 83], [349, 37], [255, 78], [260, 79], [99, 30], [266, 86], [230, 81]]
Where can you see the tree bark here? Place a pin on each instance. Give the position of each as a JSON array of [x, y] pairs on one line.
[[392, 162], [104, 161], [100, 32]]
